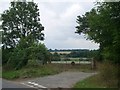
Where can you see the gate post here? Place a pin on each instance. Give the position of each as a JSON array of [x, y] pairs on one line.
[[93, 64]]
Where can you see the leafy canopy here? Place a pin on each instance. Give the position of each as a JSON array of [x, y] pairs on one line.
[[102, 25], [21, 21]]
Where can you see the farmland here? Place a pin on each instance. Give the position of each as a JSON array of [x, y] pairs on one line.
[[62, 52]]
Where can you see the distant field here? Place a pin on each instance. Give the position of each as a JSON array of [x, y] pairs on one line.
[[62, 52], [71, 58], [69, 62], [77, 59]]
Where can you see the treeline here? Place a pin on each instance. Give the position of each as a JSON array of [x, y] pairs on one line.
[[67, 50], [83, 54], [56, 56]]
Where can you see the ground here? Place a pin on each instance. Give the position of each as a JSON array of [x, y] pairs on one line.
[[62, 80]]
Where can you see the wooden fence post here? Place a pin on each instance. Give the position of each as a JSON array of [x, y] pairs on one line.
[[93, 63]]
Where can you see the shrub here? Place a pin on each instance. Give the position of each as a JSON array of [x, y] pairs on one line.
[[22, 53], [6, 53], [39, 53], [18, 58]]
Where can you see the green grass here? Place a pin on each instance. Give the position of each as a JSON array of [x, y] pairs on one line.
[[32, 71], [11, 74], [90, 82]]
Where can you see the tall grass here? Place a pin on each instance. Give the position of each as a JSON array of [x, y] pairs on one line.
[[90, 82], [109, 74], [107, 77], [32, 71]]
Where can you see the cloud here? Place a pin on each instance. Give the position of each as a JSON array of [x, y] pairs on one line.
[[72, 43], [60, 25], [4, 5], [67, 0], [59, 20], [80, 43], [72, 10]]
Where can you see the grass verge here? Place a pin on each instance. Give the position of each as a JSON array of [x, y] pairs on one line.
[[42, 70], [30, 72], [107, 77], [90, 82]]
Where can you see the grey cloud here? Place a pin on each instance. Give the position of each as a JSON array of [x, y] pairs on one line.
[[60, 25], [59, 20]]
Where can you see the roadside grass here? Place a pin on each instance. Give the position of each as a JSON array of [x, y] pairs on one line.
[[32, 71], [107, 77], [90, 82]]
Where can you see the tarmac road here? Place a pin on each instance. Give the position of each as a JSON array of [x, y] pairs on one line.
[[62, 80], [10, 85]]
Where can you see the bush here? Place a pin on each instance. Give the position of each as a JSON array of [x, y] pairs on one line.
[[18, 58], [109, 74], [6, 53], [39, 53], [23, 53]]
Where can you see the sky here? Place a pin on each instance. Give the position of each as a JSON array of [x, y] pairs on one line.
[[59, 20]]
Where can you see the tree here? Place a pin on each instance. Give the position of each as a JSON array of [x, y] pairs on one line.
[[21, 29], [21, 21], [101, 25]]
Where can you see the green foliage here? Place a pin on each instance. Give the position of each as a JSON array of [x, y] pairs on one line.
[[22, 32], [21, 21], [10, 75], [82, 54], [74, 53], [18, 58], [101, 25], [39, 53], [6, 55]]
